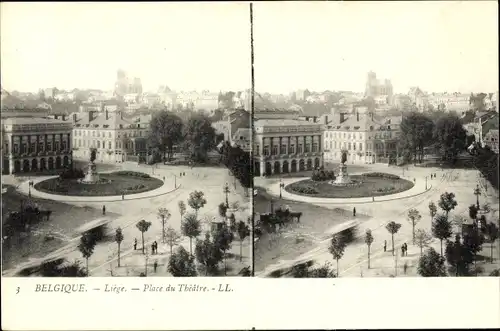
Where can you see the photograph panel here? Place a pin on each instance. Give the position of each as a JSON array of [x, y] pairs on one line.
[[376, 139], [126, 140]]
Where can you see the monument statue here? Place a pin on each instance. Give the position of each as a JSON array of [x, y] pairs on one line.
[[343, 158], [343, 177], [93, 153], [91, 177]]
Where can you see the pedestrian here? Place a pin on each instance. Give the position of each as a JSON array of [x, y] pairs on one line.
[[104, 209], [403, 250], [406, 249], [354, 212], [180, 174], [156, 247], [135, 244], [385, 245], [373, 199], [405, 267], [155, 265], [414, 180], [123, 196], [153, 248], [163, 178]]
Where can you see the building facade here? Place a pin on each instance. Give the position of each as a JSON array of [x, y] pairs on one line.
[[375, 87], [35, 144], [287, 145], [457, 102], [491, 140], [367, 138], [117, 139]]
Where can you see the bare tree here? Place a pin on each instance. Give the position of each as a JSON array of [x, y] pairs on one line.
[[414, 217], [422, 239], [368, 241], [163, 215]]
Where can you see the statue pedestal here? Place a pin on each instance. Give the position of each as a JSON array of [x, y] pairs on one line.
[[91, 176], [342, 177]]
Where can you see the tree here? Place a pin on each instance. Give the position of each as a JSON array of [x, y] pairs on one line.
[[459, 256], [118, 240], [432, 209], [450, 137], [165, 132], [191, 228], [337, 247], [368, 241], [414, 217], [473, 211], [491, 232], [86, 247], [447, 202], [208, 254], [223, 210], [442, 229], [431, 264], [143, 226], [172, 238], [197, 200], [223, 237], [182, 208], [393, 228], [232, 222], [199, 137], [243, 231], [163, 215], [473, 241], [422, 239], [324, 271], [416, 134], [181, 264]]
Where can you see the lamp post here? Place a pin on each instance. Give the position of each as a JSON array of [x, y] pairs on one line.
[[477, 193], [175, 181], [226, 192], [426, 183], [282, 185]]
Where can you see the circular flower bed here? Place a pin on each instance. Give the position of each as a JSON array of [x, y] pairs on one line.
[[115, 183], [367, 185]]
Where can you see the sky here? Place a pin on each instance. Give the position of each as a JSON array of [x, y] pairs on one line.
[[438, 46], [190, 46]]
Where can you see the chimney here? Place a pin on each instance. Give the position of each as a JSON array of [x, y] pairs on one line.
[[341, 117], [357, 116], [326, 119], [107, 114], [91, 115], [314, 119]]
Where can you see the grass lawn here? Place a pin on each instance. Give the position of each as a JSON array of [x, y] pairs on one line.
[[64, 220], [118, 183], [368, 187], [299, 238]]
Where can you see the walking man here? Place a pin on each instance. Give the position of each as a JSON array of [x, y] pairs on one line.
[[354, 212], [104, 210], [153, 248], [385, 245], [403, 250], [135, 244], [155, 265]]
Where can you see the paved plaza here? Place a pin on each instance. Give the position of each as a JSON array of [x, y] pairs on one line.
[[391, 208], [145, 206]]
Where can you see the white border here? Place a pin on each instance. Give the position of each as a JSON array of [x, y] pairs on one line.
[[372, 303]]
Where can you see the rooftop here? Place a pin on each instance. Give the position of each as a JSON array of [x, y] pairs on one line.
[[32, 120], [283, 122]]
